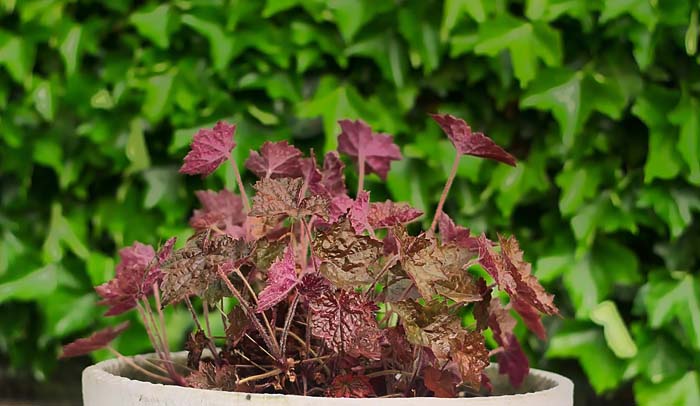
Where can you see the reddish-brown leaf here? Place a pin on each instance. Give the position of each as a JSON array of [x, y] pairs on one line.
[[96, 341], [511, 358], [469, 143], [348, 260], [210, 147], [223, 210], [350, 386], [470, 355], [378, 150], [443, 383], [346, 322], [528, 288], [452, 233], [388, 214], [281, 279], [275, 160], [440, 270], [531, 317], [333, 176], [281, 197]]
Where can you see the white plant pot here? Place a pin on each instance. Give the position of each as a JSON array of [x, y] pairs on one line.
[[107, 384]]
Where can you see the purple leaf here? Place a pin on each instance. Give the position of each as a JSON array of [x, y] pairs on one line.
[[96, 341], [531, 317], [359, 211], [469, 143], [133, 279], [281, 279], [378, 150], [451, 233], [350, 386], [223, 210], [210, 147], [275, 160]]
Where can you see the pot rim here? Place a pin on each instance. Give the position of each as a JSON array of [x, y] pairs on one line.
[[103, 373]]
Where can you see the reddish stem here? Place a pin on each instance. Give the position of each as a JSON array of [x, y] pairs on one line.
[[239, 180], [445, 191], [361, 169]]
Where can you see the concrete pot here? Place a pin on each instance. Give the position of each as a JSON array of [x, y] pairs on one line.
[[108, 384]]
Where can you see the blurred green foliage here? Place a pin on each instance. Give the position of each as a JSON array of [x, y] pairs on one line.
[[600, 99]]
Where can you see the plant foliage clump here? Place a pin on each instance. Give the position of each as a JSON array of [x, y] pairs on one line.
[[334, 295]]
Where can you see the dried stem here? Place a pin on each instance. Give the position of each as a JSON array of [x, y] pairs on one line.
[[252, 378], [152, 336], [161, 320], [287, 324], [445, 191], [239, 180], [159, 378], [205, 308], [269, 340], [188, 302], [388, 372]]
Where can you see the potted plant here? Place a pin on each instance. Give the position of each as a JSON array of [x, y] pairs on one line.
[[322, 295]]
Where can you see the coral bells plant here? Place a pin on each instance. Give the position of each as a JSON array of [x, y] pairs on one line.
[[323, 294]]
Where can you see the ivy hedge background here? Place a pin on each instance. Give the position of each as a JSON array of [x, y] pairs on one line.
[[600, 100]]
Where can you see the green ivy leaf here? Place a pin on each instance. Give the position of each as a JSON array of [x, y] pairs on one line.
[[136, 148], [687, 116], [61, 233], [525, 42], [668, 299], [71, 48], [35, 284], [351, 15], [681, 391], [453, 10], [614, 329], [585, 342], [220, 44], [44, 100], [578, 182], [17, 55], [155, 23], [159, 95], [674, 206]]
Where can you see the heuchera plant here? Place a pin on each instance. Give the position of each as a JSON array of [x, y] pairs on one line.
[[332, 296]]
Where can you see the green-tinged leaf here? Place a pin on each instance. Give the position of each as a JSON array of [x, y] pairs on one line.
[[558, 91], [642, 11], [691, 34], [660, 357], [220, 43], [682, 391], [669, 299], [161, 183], [674, 206], [71, 48], [586, 343], [44, 100], [155, 23], [525, 42], [159, 94], [352, 15], [615, 331], [136, 148], [454, 10], [65, 313], [11, 247], [578, 184], [687, 116], [35, 284], [17, 55], [421, 32], [61, 233]]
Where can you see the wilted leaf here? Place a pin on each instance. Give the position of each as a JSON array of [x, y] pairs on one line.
[[468, 143], [443, 382], [210, 147], [350, 386], [281, 197], [441, 270], [349, 260], [471, 356], [192, 270]]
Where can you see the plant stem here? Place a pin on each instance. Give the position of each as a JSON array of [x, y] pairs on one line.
[[193, 313], [287, 324], [268, 374], [139, 368], [161, 319], [255, 297], [205, 307], [445, 191], [152, 336], [269, 340], [239, 180], [361, 170]]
